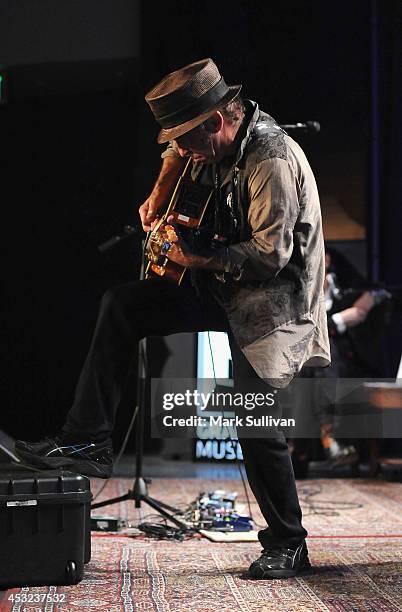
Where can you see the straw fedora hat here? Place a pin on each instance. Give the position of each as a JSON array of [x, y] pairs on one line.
[[187, 97]]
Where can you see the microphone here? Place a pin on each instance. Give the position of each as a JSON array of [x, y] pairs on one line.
[[127, 232], [309, 127]]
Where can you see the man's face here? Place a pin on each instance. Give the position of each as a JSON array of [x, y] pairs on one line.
[[197, 144]]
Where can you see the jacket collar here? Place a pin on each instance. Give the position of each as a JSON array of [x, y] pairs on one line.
[[253, 108], [245, 131]]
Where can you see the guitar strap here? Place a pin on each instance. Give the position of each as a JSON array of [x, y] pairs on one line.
[[218, 216], [225, 214]]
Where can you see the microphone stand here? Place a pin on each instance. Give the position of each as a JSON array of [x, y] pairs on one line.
[[308, 127], [139, 491]]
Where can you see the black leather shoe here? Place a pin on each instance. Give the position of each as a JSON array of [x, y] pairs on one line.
[[279, 562], [339, 454], [89, 458]]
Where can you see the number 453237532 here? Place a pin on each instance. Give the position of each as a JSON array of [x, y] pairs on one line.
[[37, 597]]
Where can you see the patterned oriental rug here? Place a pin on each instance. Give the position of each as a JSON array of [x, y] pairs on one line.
[[355, 544]]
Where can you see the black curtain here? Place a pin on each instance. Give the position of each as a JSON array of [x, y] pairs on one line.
[[386, 209]]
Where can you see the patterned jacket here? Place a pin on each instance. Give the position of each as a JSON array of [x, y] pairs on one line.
[[274, 299]]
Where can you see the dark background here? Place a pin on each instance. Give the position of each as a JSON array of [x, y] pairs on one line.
[[79, 153]]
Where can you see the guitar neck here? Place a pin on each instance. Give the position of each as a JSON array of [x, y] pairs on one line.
[[183, 176]]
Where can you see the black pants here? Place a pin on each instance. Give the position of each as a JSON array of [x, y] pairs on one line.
[[157, 308]]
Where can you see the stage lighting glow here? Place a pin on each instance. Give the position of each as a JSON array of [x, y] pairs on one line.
[[214, 361], [218, 359]]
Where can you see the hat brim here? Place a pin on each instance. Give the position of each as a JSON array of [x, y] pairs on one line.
[[179, 130]]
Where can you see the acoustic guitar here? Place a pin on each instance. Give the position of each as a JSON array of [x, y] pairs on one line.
[[187, 206]]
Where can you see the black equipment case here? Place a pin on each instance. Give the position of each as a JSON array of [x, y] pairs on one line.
[[45, 536]]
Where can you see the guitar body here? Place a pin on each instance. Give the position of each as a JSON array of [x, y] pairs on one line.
[[187, 206]]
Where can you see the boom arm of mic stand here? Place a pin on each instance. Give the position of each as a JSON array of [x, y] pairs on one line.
[[128, 232]]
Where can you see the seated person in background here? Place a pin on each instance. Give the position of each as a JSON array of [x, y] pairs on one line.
[[355, 346]]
